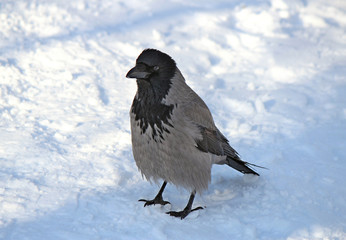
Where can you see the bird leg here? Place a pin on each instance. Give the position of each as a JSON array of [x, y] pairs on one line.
[[187, 209], [158, 199]]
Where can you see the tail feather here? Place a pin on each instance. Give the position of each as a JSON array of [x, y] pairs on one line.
[[241, 166]]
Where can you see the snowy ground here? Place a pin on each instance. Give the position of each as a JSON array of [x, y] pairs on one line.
[[272, 72]]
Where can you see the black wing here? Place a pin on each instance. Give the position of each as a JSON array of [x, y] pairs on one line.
[[213, 141]]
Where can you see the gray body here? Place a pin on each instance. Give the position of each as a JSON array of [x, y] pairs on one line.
[[174, 137], [176, 159]]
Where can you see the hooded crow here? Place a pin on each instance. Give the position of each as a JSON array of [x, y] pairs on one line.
[[174, 137]]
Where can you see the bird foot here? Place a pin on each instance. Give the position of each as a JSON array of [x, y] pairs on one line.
[[155, 201], [184, 213]]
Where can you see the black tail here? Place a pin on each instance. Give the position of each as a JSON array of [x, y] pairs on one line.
[[241, 166]]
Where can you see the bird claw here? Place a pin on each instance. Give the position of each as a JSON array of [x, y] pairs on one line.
[[154, 202], [184, 213]]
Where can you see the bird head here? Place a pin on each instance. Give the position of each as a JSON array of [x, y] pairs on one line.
[[153, 65]]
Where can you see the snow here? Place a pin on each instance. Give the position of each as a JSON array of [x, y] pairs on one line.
[[272, 73]]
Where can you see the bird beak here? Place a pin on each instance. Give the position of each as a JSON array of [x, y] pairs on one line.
[[139, 71]]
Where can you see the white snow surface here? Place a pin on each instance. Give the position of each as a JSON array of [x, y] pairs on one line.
[[273, 73]]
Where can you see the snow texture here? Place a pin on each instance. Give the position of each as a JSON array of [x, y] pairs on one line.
[[273, 73]]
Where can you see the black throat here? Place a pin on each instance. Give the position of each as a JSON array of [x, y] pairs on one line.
[[148, 108]]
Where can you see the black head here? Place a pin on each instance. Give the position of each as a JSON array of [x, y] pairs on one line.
[[154, 71], [153, 65]]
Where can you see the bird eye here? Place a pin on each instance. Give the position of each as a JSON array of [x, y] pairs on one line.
[[156, 68]]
